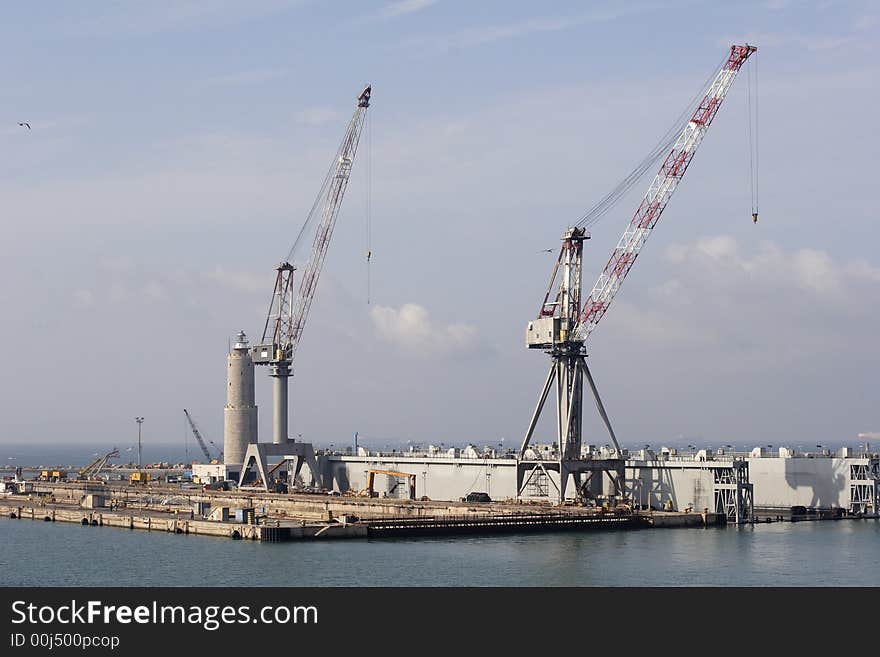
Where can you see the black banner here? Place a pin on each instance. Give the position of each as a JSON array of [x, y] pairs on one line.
[[129, 621]]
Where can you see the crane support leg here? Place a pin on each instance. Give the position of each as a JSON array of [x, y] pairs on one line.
[[280, 373], [599, 404], [569, 412], [538, 409]]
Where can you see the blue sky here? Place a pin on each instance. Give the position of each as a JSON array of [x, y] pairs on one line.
[[176, 148]]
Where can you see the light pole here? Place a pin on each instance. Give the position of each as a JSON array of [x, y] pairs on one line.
[[139, 421]]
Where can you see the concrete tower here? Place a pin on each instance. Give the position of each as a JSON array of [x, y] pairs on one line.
[[240, 413]]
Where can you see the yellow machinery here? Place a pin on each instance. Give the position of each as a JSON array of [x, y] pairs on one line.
[[371, 476], [53, 475], [139, 477]]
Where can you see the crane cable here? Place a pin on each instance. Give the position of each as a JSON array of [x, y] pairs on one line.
[[313, 214], [369, 218], [753, 141], [660, 149]]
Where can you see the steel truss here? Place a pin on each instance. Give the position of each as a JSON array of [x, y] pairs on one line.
[[734, 494], [864, 488]]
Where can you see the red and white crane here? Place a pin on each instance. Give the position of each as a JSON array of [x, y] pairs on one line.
[[564, 325], [657, 197]]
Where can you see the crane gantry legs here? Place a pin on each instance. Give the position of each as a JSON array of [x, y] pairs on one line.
[[568, 368], [568, 371]]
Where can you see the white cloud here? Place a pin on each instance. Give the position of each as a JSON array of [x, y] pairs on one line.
[[146, 18], [810, 42], [815, 270], [243, 77], [863, 269], [725, 310], [318, 115], [118, 264], [155, 291], [807, 269], [407, 7], [867, 22], [117, 292], [83, 298], [477, 36], [244, 281], [411, 327], [720, 247]]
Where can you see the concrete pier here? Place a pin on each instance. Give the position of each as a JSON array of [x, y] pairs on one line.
[[330, 525]]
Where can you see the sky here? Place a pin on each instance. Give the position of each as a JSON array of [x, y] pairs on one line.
[[175, 149]]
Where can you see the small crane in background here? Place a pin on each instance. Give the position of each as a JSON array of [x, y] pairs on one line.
[[200, 440], [93, 469]]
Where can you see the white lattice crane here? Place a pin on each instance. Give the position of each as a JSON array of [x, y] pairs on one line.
[[563, 324], [290, 304]]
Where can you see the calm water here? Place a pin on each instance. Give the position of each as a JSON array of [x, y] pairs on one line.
[[843, 553]]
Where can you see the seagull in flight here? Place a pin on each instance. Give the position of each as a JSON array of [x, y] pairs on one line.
[[546, 251], [25, 123]]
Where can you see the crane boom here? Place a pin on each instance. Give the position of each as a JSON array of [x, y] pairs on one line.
[[94, 468], [198, 435], [341, 171], [287, 316], [657, 197]]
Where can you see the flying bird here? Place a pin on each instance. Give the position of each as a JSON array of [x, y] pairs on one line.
[[25, 124], [546, 251]]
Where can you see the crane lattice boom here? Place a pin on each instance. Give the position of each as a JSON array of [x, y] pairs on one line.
[[198, 435], [287, 316], [93, 469], [660, 191]]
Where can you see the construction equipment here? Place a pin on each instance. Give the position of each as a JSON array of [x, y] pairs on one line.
[[93, 469], [139, 477], [53, 475], [201, 441], [371, 477], [269, 473], [564, 325], [287, 316]]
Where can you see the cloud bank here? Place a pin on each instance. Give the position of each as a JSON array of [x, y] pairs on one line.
[[411, 327]]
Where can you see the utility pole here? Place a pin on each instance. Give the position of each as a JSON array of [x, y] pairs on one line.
[[139, 421]]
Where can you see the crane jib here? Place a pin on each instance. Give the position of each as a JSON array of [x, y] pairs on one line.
[[659, 192], [290, 305]]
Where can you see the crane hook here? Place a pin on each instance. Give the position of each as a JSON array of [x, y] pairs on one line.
[[755, 217]]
